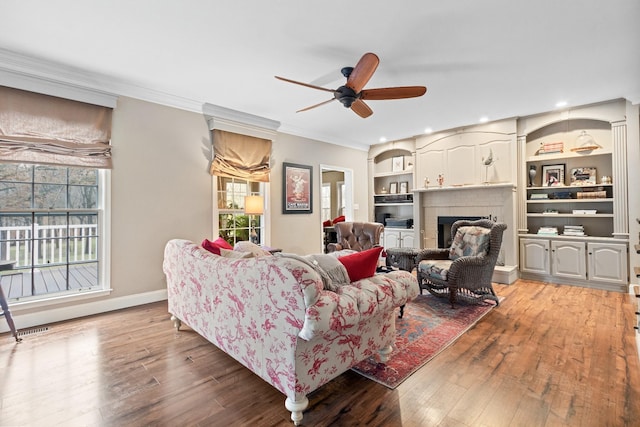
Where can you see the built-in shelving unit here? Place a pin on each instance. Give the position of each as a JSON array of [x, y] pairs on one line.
[[589, 249], [392, 184]]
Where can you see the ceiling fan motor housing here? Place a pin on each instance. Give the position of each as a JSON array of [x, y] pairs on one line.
[[345, 95]]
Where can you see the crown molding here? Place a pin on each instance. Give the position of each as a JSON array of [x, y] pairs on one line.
[[239, 122], [56, 79], [290, 130]]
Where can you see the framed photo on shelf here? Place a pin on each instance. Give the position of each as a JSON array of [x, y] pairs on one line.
[[393, 187], [553, 175], [297, 189], [583, 176], [404, 187], [397, 164]]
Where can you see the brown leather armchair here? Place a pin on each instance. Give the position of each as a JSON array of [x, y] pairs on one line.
[[357, 236]]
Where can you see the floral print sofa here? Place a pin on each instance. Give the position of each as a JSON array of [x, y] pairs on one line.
[[273, 315]]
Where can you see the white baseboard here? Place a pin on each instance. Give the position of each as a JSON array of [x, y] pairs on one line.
[[506, 274], [50, 315]]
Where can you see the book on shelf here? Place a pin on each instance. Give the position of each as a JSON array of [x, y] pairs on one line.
[[591, 194], [573, 230], [584, 211], [574, 227], [550, 212], [539, 196], [548, 231], [551, 147]]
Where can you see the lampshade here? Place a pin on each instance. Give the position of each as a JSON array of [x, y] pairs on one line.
[[253, 205]]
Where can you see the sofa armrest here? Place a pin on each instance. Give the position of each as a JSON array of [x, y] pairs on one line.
[[358, 302]]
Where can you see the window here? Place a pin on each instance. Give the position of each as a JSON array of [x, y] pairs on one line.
[[342, 200], [233, 224], [50, 226], [325, 202]]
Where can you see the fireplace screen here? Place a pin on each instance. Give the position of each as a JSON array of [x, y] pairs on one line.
[[444, 228]]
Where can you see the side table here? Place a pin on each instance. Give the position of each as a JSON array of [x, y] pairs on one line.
[[403, 259]]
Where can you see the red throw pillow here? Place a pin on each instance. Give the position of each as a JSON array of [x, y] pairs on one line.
[[361, 264], [214, 247]]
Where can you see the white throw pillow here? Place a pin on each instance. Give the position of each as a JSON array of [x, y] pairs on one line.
[[247, 246], [228, 253]]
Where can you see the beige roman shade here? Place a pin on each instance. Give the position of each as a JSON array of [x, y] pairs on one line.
[[36, 128], [240, 156]]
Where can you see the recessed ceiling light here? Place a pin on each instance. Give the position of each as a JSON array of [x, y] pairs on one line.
[[484, 119], [428, 131], [383, 139], [561, 104]]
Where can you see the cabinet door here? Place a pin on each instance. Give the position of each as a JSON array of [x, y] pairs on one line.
[[391, 238], [608, 262], [408, 239], [534, 256], [568, 259]]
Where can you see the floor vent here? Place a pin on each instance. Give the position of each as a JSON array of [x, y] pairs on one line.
[[33, 331]]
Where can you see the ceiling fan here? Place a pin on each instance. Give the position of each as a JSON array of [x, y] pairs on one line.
[[352, 95]]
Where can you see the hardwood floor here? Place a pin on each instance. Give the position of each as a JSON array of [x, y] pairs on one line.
[[549, 355]]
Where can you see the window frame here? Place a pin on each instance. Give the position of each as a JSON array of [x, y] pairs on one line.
[[236, 215], [103, 225]]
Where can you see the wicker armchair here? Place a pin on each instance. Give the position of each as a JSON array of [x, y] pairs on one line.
[[466, 269], [357, 236]]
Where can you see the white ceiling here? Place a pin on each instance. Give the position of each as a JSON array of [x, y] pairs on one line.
[[493, 58]]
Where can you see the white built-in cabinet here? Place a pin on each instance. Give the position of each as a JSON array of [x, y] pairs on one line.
[[594, 264], [398, 238]]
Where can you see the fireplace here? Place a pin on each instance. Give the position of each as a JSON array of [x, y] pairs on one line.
[[444, 227]]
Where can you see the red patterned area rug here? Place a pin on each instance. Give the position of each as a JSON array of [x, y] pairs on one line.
[[429, 325]]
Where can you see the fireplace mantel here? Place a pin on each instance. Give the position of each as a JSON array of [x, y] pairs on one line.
[[474, 187]]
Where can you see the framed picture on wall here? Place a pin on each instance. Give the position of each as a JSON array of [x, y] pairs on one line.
[[397, 164], [297, 189], [393, 188], [553, 175]]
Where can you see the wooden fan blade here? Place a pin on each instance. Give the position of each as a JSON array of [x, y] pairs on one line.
[[304, 84], [316, 105], [393, 92], [361, 109], [362, 72]]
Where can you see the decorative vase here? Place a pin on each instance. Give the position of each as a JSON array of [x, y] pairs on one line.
[[532, 174]]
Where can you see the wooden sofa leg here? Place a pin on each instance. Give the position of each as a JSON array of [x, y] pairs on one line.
[[296, 408], [385, 353], [176, 322]]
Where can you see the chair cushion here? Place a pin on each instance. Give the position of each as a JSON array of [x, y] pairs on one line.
[[470, 241], [438, 269]]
